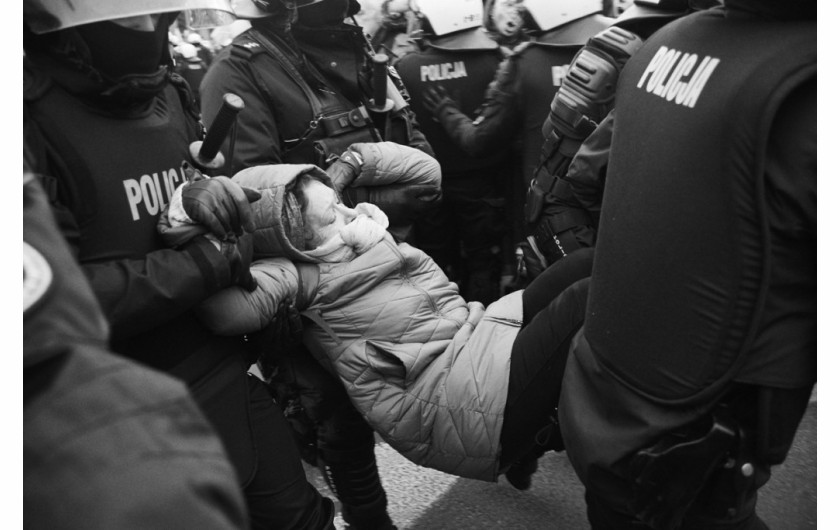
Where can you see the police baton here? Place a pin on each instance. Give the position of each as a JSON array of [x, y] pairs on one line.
[[207, 153], [380, 102]]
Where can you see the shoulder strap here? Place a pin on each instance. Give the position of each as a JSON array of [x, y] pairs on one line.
[[274, 50], [308, 276]]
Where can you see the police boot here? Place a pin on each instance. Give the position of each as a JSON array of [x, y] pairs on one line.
[[520, 472], [353, 477], [548, 438]]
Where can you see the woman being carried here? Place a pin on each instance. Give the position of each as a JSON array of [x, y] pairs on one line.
[[449, 384]]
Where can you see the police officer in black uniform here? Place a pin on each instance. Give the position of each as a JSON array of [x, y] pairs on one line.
[[109, 125], [306, 78], [518, 99], [464, 235], [106, 442], [698, 354], [308, 82], [563, 202]]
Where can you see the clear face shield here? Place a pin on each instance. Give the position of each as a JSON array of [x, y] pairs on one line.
[[44, 16]]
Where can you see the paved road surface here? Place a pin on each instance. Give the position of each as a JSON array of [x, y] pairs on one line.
[[424, 499]]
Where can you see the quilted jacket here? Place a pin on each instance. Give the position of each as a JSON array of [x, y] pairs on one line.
[[428, 370]]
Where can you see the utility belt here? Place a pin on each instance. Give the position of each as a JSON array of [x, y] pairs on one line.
[[711, 463]]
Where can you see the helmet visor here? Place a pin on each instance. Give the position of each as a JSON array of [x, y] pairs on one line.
[[449, 17], [44, 16]]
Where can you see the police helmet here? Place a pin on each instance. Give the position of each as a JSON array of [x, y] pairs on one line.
[[45, 16], [255, 9], [647, 12], [442, 18], [644, 17], [550, 14]]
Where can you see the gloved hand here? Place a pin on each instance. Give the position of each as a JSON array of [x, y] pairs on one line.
[[239, 251], [345, 170], [435, 98], [221, 205]]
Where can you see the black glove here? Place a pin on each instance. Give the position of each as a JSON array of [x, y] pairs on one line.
[[345, 170], [435, 98], [239, 251], [221, 205]]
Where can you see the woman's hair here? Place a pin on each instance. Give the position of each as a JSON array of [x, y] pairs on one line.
[[301, 202], [299, 190]]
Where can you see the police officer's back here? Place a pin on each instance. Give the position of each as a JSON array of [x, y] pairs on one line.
[[465, 235], [517, 101], [699, 348]]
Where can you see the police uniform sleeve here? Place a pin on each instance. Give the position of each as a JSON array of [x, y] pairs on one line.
[[141, 294], [257, 139], [416, 138], [496, 125], [587, 172]]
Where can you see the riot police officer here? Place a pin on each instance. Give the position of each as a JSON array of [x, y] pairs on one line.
[[564, 198], [309, 84], [109, 125], [519, 97], [106, 441], [464, 235], [698, 354]]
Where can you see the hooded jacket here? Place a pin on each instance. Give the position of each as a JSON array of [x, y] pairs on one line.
[[426, 369]]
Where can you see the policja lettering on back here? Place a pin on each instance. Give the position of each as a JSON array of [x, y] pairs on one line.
[[438, 72], [666, 81]]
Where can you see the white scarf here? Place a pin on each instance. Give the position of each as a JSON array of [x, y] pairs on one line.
[[355, 238]]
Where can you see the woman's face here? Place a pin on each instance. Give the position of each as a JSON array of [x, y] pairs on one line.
[[325, 215], [507, 16]]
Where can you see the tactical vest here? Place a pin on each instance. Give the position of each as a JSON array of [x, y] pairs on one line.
[[316, 125], [685, 194], [465, 74], [116, 213]]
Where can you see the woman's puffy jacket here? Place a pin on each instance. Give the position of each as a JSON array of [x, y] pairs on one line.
[[428, 370]]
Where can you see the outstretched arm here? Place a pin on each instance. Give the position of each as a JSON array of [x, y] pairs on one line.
[[235, 311]]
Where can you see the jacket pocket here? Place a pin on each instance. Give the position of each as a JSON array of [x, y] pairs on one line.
[[402, 363]]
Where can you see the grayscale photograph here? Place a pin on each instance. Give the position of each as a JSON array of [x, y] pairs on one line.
[[419, 264]]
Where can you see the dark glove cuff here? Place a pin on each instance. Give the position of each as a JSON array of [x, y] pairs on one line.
[[213, 266]]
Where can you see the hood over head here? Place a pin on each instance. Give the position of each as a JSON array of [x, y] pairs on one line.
[[279, 223]]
